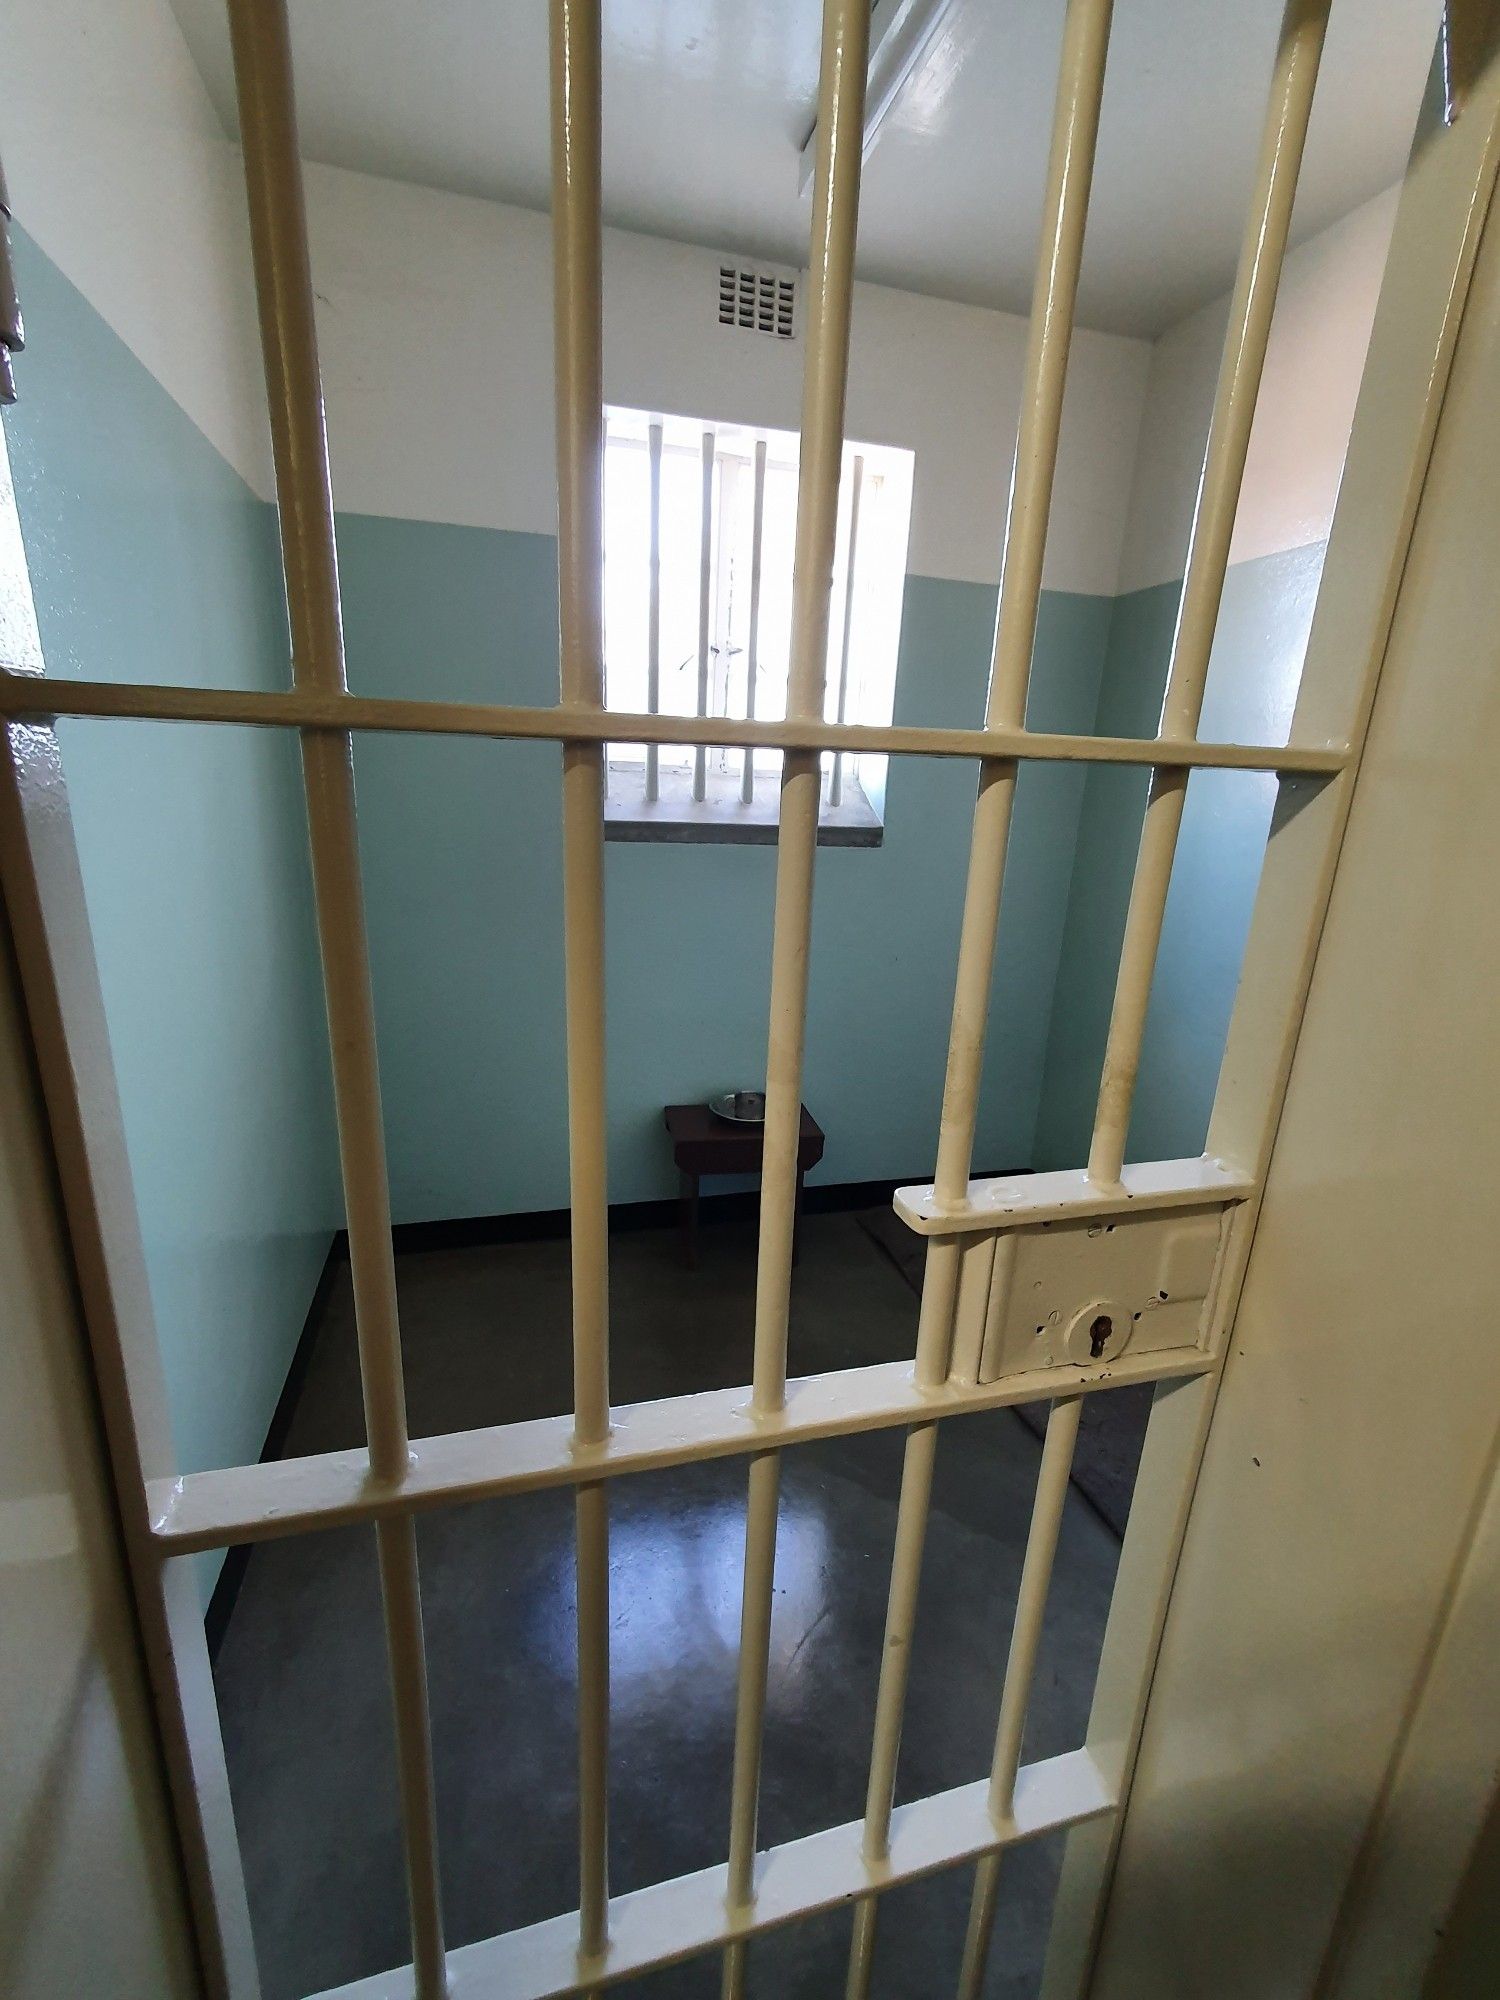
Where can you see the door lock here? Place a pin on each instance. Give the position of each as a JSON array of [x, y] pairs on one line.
[[1098, 1332]]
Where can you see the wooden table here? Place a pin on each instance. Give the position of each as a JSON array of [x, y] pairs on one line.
[[703, 1144]]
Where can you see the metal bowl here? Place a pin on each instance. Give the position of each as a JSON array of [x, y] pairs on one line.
[[740, 1107]]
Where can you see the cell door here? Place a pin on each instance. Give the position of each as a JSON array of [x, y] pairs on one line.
[[1055, 1286]]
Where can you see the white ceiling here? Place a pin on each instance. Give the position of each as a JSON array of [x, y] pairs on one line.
[[707, 103]]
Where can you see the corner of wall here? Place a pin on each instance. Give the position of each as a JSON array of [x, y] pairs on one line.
[[121, 173]]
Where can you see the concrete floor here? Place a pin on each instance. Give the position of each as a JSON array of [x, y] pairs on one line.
[[301, 1673]]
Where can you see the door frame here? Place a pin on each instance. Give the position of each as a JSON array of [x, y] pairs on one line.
[[1446, 201]]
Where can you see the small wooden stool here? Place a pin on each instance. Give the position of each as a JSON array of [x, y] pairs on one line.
[[703, 1144]]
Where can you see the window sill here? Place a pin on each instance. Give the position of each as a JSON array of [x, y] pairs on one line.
[[722, 816]]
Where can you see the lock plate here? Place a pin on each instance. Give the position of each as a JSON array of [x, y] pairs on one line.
[[1057, 1271], [1091, 1290]]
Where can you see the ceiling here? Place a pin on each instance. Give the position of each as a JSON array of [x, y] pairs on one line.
[[708, 102]]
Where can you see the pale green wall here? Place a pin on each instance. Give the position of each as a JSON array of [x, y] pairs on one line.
[[152, 560], [462, 857], [1252, 684]]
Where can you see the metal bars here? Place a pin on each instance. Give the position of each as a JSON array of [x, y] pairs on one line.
[[705, 601], [1298, 55], [1020, 1671], [1251, 310], [653, 612], [26, 697], [392, 1480], [841, 90], [752, 641], [578, 327], [836, 778], [690, 1914], [304, 495], [1065, 213], [255, 1503]]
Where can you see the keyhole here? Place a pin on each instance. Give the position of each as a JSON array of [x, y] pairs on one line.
[[1099, 1334]]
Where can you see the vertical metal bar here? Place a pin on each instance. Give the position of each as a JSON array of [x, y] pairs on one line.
[[841, 90], [278, 232], [901, 1620], [980, 1928], [1127, 1022], [1298, 55], [1020, 1671], [273, 175], [752, 643], [1069, 178], [577, 255], [591, 1523], [890, 1695], [756, 1600], [841, 97], [836, 781], [1070, 170], [723, 571], [577, 247], [653, 613], [705, 589]]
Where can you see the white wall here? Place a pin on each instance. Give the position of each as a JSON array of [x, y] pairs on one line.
[[436, 335], [435, 319], [1324, 311], [119, 170]]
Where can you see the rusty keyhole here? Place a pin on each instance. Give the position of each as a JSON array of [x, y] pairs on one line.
[[1099, 1334]]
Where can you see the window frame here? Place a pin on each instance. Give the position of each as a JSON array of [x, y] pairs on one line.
[[670, 810]]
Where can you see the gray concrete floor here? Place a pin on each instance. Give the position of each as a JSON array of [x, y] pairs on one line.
[[301, 1672]]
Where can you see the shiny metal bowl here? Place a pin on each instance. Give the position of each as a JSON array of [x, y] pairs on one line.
[[740, 1107]]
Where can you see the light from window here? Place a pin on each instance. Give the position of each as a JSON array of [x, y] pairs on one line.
[[724, 636]]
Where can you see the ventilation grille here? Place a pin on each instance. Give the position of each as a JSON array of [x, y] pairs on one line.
[[757, 300]]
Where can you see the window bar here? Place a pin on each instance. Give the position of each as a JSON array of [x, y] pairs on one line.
[[1298, 54], [836, 780], [705, 592], [1065, 213], [752, 643], [653, 614], [1020, 1672], [721, 646], [577, 249], [841, 91], [278, 228]]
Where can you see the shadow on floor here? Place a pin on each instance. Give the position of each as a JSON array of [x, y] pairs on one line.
[[301, 1674]]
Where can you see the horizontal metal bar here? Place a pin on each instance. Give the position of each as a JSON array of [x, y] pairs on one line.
[[26, 695], [1018, 1199], [675, 1920], [251, 1503]]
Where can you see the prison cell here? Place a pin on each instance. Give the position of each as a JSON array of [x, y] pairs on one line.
[[1139, 1262]]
